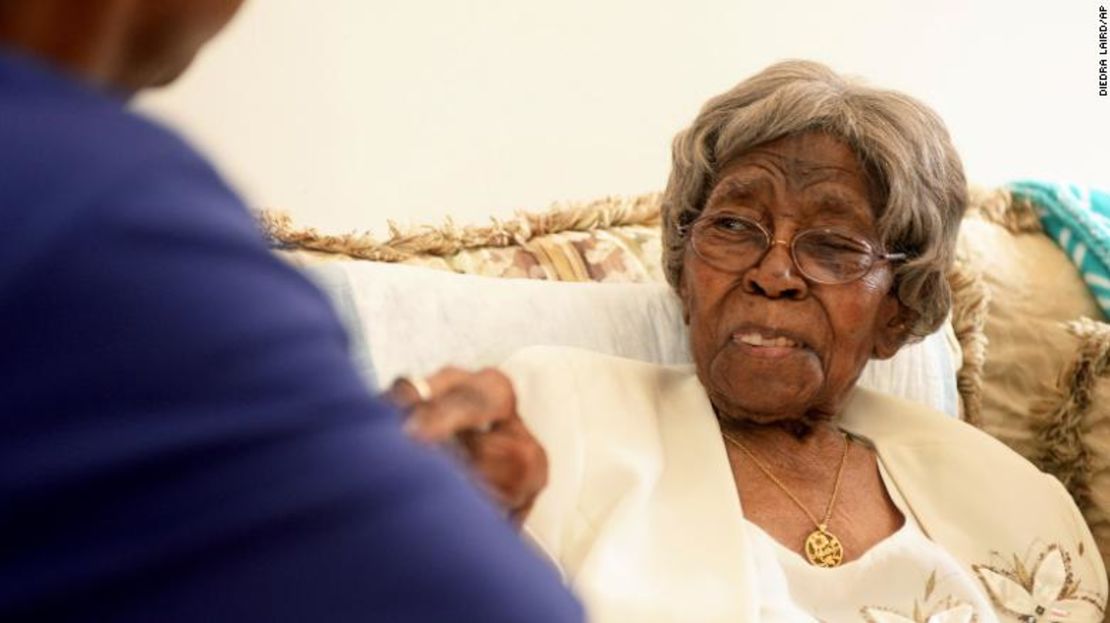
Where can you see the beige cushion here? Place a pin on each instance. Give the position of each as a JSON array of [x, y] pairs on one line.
[[1046, 380], [1072, 429], [1033, 291]]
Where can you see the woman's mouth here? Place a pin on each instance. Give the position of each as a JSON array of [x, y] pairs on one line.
[[766, 345], [755, 339]]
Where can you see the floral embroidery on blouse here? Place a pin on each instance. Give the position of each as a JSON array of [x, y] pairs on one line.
[[1050, 592], [947, 610], [958, 613]]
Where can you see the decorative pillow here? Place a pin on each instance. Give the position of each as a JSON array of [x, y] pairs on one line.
[[1072, 427], [609, 240], [1033, 290], [411, 320], [1046, 379]]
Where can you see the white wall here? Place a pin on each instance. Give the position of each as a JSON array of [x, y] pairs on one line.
[[350, 112]]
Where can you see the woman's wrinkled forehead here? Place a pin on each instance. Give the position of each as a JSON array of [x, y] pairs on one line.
[[829, 199], [797, 164]]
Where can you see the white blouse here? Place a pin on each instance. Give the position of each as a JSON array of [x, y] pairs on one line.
[[904, 577]]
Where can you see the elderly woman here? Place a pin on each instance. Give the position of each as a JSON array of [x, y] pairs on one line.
[[808, 224]]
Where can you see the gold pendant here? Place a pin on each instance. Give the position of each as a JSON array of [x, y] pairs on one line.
[[823, 549]]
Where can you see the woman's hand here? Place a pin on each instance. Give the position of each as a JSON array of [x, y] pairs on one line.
[[476, 412]]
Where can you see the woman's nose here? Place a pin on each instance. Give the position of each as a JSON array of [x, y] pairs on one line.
[[775, 275]]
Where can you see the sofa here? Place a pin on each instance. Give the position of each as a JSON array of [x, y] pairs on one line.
[[1030, 343]]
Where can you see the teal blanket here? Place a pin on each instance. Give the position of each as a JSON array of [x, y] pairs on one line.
[[1078, 219]]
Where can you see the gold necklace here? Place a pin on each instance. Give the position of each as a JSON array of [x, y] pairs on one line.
[[822, 547]]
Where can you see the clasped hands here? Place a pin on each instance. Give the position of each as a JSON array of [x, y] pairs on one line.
[[475, 414]]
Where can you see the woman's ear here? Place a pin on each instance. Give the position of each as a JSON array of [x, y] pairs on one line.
[[682, 297], [893, 329]]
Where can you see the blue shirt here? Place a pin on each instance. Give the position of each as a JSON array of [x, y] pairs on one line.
[[182, 434]]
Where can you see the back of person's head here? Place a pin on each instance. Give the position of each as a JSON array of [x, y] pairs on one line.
[[123, 45]]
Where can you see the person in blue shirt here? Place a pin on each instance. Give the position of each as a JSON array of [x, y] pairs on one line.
[[182, 434]]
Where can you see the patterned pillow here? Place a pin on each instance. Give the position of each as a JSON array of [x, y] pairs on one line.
[[610, 240]]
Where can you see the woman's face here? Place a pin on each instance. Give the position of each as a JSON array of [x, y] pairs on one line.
[[790, 185]]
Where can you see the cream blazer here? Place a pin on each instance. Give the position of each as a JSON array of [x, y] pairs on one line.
[[642, 518]]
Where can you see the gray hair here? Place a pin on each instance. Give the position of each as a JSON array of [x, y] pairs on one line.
[[902, 144]]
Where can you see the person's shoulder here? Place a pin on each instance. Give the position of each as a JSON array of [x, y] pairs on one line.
[[975, 495], [78, 165], [86, 128], [64, 144], [897, 425]]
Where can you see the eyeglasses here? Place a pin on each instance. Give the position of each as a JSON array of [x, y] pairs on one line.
[[733, 243]]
